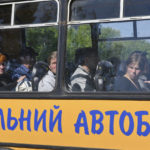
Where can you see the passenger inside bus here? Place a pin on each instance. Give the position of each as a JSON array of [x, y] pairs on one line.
[[39, 70], [135, 67], [82, 79], [104, 76], [27, 60], [6, 83], [47, 83]]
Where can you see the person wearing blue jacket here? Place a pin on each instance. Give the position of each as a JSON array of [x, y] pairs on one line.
[[27, 60]]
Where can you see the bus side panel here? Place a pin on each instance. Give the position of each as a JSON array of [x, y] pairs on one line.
[[106, 124]]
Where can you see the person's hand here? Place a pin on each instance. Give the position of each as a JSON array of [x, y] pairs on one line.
[[147, 82], [21, 78]]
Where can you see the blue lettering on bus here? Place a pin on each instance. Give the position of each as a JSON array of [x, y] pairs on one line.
[[131, 123], [12, 122], [111, 122], [23, 119], [98, 121], [81, 122], [42, 119], [141, 123], [53, 121], [2, 119], [94, 125]]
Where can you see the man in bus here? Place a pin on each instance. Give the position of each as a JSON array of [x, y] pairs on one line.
[[47, 83], [82, 78]]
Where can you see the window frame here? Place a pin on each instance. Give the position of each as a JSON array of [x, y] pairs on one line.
[[12, 25], [105, 20], [60, 91], [33, 94], [110, 95]]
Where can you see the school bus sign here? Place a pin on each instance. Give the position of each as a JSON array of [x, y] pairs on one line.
[[76, 123]]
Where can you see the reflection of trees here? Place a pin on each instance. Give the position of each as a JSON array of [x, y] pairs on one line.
[[39, 12], [79, 36], [120, 49], [94, 9], [46, 12], [43, 40], [83, 9]]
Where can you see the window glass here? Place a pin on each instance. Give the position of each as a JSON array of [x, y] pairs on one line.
[[37, 12], [5, 15], [94, 9], [117, 61], [136, 8], [25, 55], [144, 24], [122, 29]]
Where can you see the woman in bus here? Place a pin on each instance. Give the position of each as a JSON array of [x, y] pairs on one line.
[[6, 83], [135, 66]]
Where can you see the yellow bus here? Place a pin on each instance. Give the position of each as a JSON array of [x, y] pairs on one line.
[[99, 93]]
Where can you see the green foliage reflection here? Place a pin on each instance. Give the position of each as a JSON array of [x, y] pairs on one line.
[[43, 40]]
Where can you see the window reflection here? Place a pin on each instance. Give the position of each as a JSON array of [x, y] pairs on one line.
[[38, 12], [24, 59], [143, 28], [136, 8], [5, 15], [116, 46], [95, 9], [116, 30]]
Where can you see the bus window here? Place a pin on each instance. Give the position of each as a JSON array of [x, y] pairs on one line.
[[136, 8], [5, 14], [121, 45], [78, 36], [28, 52], [35, 12], [95, 9], [143, 25], [116, 30]]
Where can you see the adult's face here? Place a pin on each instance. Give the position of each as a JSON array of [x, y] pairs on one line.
[[133, 71], [2, 68], [52, 65], [92, 62]]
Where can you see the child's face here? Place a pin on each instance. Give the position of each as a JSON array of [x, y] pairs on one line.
[[28, 60]]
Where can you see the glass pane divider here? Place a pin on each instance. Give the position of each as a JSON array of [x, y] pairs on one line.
[[12, 14], [57, 10], [109, 20], [69, 3], [121, 8], [124, 39], [31, 25]]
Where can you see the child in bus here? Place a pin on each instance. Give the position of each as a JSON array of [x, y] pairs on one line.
[[135, 66], [82, 78], [6, 83], [47, 83], [27, 60]]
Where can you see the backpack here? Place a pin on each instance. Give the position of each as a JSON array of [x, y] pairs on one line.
[[38, 72], [104, 76], [24, 86]]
